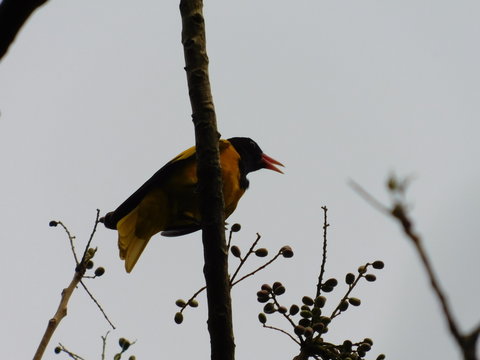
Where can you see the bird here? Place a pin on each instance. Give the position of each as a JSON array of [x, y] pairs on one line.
[[169, 201]]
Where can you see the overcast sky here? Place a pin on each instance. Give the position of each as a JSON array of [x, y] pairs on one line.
[[93, 101]]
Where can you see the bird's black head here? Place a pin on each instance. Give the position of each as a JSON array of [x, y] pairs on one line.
[[252, 157]]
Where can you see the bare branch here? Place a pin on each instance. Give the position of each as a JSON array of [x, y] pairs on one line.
[[258, 269], [97, 303], [92, 234], [71, 238], [59, 315], [369, 198], [104, 344], [282, 331], [467, 343], [324, 252]]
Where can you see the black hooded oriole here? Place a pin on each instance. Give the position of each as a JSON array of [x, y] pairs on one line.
[[168, 202]]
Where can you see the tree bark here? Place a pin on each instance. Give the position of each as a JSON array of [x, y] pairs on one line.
[[59, 314], [209, 181], [13, 14]]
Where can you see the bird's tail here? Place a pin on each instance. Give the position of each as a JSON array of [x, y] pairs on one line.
[[130, 245]]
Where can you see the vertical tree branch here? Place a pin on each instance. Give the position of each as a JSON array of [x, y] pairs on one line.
[[324, 252], [13, 14], [209, 181]]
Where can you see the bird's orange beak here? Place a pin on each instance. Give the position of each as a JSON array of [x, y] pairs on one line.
[[269, 163]]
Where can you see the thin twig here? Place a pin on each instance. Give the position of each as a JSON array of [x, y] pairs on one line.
[[71, 354], [92, 234], [70, 238], [230, 234], [286, 316], [337, 311], [97, 303], [282, 331], [258, 269], [324, 251], [192, 297], [236, 272], [104, 344], [369, 198], [243, 260]]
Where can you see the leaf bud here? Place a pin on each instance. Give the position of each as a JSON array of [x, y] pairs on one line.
[[286, 251], [276, 284], [378, 265], [299, 330], [327, 289], [262, 318], [331, 282], [279, 290], [325, 320], [364, 347], [124, 343], [263, 295], [362, 269], [54, 223], [99, 271], [262, 252], [266, 287], [263, 299], [370, 277], [304, 322], [58, 349], [132, 357], [305, 314], [320, 301], [316, 311], [318, 327], [89, 264], [392, 183], [381, 357], [354, 301], [235, 227], [368, 341], [294, 309], [282, 310], [305, 307], [235, 251], [347, 346], [181, 303], [307, 300], [269, 308], [193, 303], [343, 305], [308, 332], [178, 318], [349, 279]]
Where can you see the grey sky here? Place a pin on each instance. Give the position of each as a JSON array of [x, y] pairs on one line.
[[93, 101]]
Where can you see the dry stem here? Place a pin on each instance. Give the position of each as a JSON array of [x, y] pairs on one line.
[[59, 315]]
